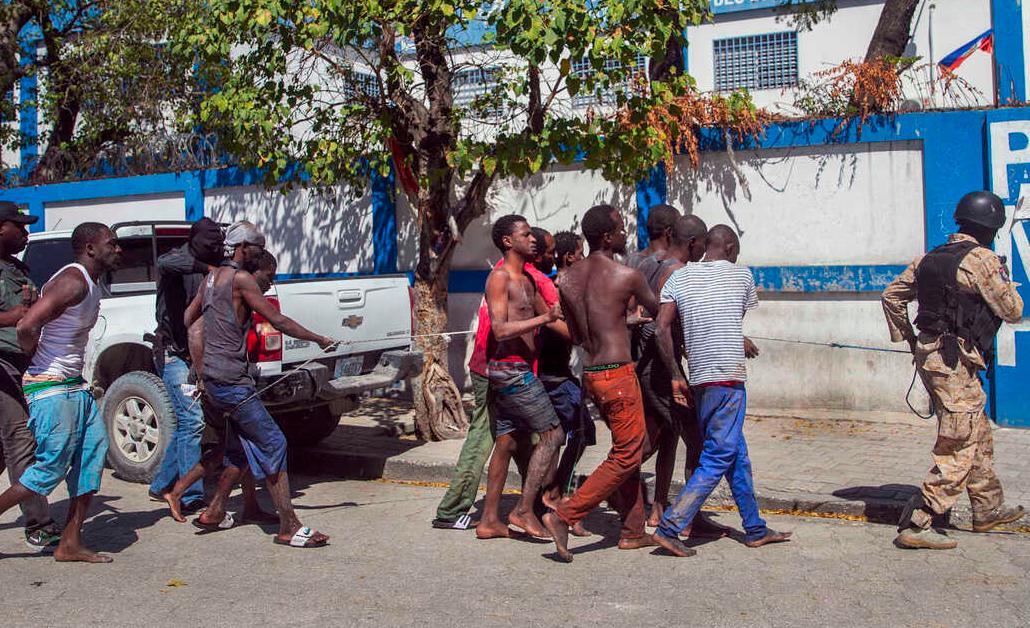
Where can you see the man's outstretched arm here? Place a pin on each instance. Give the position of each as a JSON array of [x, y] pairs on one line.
[[256, 301]]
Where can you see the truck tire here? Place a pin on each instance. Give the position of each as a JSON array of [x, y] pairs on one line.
[[304, 428], [140, 423]]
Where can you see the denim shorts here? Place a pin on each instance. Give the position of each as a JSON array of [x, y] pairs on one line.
[[252, 437], [71, 441], [520, 401]]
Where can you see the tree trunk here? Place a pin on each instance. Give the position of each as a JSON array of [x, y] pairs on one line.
[[439, 413], [891, 34]]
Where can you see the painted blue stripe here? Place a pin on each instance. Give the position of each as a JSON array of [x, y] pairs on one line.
[[844, 278], [1009, 70], [651, 190], [384, 223], [872, 278]]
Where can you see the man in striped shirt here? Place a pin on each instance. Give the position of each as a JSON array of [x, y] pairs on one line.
[[711, 297]]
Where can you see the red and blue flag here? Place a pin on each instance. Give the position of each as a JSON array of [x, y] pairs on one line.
[[984, 41]]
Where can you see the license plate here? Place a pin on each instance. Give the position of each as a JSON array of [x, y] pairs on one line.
[[350, 365]]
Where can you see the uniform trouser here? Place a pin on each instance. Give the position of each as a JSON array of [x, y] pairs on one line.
[[18, 450], [616, 393], [183, 451], [468, 470], [963, 459]]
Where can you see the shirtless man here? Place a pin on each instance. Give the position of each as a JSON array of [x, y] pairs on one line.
[[521, 404], [596, 293]]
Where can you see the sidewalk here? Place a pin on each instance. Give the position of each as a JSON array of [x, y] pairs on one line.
[[827, 466]]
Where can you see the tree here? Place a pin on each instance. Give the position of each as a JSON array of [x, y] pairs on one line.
[[458, 94], [108, 88]]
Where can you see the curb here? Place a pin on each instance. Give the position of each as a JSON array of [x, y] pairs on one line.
[[875, 505]]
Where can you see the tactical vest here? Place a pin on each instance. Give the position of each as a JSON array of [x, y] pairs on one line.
[[944, 310]]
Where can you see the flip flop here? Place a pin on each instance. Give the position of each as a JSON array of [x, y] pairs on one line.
[[302, 539], [227, 523]]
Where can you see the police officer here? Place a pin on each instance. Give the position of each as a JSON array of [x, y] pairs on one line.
[[964, 294]]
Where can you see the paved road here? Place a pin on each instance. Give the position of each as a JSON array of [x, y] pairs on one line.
[[388, 567]]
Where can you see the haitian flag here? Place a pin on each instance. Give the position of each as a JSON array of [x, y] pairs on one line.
[[983, 41]]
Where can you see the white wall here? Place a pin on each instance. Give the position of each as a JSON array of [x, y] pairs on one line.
[[308, 231], [846, 35], [855, 204], [799, 376], [109, 211], [555, 199]]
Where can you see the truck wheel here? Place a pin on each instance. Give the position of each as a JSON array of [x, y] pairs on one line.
[[140, 422], [304, 428]]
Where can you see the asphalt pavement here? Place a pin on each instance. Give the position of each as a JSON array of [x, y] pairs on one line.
[[387, 567]]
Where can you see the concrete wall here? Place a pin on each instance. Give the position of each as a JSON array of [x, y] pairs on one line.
[[856, 204], [68, 215], [845, 36], [308, 231]]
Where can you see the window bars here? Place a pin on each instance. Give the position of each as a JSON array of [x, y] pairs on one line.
[[768, 61], [470, 84], [603, 96]]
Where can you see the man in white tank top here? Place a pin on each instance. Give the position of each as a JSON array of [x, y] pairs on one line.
[[71, 440]]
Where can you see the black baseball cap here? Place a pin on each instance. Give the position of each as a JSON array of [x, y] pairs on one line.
[[10, 211]]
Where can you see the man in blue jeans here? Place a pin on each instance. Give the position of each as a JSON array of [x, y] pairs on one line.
[[711, 298], [181, 272]]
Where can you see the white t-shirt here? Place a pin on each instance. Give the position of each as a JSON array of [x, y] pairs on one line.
[[712, 298]]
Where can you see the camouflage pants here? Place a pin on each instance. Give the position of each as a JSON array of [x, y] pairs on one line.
[[963, 462]]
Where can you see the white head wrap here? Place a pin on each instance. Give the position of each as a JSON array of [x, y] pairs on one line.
[[242, 232]]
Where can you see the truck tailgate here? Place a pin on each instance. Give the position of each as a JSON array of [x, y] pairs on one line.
[[373, 311]]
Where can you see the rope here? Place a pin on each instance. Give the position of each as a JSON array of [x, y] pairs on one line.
[[833, 345]]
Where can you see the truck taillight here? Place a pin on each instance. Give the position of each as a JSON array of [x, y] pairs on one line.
[[264, 342]]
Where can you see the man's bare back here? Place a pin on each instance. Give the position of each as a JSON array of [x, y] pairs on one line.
[[595, 294]]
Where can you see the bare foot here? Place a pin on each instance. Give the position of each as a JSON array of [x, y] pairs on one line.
[[175, 506], [637, 543], [560, 533], [655, 519], [579, 530], [492, 530], [79, 555], [772, 536], [528, 523], [673, 546], [551, 498]]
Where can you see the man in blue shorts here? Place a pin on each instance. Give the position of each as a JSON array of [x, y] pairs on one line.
[[520, 402]]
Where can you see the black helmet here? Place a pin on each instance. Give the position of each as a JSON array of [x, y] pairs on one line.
[[981, 208]]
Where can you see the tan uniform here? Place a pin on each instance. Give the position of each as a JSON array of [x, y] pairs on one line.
[[964, 451]]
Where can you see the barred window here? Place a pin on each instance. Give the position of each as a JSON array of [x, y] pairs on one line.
[[472, 83], [362, 83], [602, 96], [767, 61]]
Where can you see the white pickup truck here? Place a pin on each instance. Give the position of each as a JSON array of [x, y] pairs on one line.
[[372, 314]]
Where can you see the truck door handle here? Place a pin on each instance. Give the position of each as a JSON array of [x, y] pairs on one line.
[[348, 296]]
